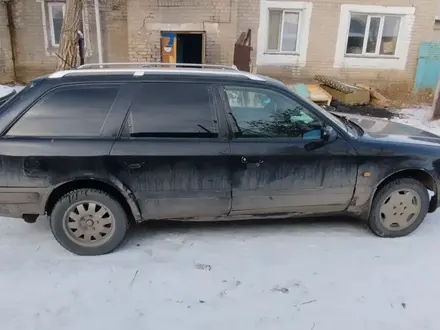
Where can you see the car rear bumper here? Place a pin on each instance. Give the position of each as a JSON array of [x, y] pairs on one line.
[[15, 202]]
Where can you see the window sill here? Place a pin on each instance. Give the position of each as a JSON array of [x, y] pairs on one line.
[[280, 53], [390, 57]]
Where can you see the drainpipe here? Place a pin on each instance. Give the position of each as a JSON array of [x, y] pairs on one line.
[[98, 30], [8, 5]]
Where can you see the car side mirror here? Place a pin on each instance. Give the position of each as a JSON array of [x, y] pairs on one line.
[[328, 135]]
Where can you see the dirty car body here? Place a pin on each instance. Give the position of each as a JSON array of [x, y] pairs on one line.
[[132, 145]]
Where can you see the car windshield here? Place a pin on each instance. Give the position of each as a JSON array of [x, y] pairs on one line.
[[334, 119]]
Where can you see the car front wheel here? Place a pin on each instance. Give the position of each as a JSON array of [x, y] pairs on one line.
[[399, 208], [89, 222]]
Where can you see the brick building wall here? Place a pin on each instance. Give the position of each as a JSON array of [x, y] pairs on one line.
[[248, 18], [322, 39], [131, 32], [222, 20], [6, 65], [35, 55], [114, 29]]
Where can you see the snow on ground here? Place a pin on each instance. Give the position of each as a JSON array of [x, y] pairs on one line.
[[417, 117], [326, 275], [5, 89], [331, 274]]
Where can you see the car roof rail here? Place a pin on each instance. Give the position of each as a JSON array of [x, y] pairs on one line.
[[155, 64], [141, 71]]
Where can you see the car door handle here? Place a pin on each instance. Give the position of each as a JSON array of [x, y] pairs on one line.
[[257, 164], [134, 166]]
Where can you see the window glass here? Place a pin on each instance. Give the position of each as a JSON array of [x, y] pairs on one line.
[[75, 112], [373, 33], [56, 16], [366, 31], [172, 110], [273, 36], [257, 112], [290, 32], [356, 35], [283, 31], [389, 36]]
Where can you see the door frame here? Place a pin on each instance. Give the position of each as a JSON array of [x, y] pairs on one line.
[[203, 33]]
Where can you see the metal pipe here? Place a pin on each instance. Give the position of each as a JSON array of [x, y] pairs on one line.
[[98, 30]]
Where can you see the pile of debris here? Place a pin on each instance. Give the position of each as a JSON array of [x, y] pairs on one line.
[[356, 99]]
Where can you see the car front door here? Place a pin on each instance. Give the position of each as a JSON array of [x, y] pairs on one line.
[[173, 152], [272, 171]]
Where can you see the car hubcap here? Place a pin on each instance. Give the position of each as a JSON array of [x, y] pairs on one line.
[[400, 209], [89, 223]]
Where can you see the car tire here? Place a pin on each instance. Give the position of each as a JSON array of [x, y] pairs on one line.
[[390, 201], [89, 222]]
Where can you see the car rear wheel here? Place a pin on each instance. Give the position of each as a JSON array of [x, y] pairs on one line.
[[399, 208], [89, 222]]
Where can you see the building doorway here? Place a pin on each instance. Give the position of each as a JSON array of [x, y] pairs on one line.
[[183, 47], [190, 48]]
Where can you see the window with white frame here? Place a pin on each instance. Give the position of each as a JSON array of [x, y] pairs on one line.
[[282, 36], [373, 35], [56, 12], [283, 32]]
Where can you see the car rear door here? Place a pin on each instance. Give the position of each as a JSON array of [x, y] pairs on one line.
[[66, 134], [173, 151], [272, 172]]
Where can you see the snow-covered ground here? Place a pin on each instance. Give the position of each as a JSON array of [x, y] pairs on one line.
[[417, 117], [5, 89], [331, 274], [326, 275]]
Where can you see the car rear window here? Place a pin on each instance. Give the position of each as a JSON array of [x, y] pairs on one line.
[[77, 111]]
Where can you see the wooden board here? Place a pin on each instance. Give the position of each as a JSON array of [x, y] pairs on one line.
[[361, 96], [242, 52], [377, 99], [318, 94], [313, 92]]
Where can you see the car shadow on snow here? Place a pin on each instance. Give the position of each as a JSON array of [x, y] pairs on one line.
[[183, 232], [257, 227]]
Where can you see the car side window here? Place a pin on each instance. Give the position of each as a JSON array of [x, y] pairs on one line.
[[172, 109], [68, 112], [257, 112]]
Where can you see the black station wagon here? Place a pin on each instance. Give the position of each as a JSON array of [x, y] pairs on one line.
[[103, 146]]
